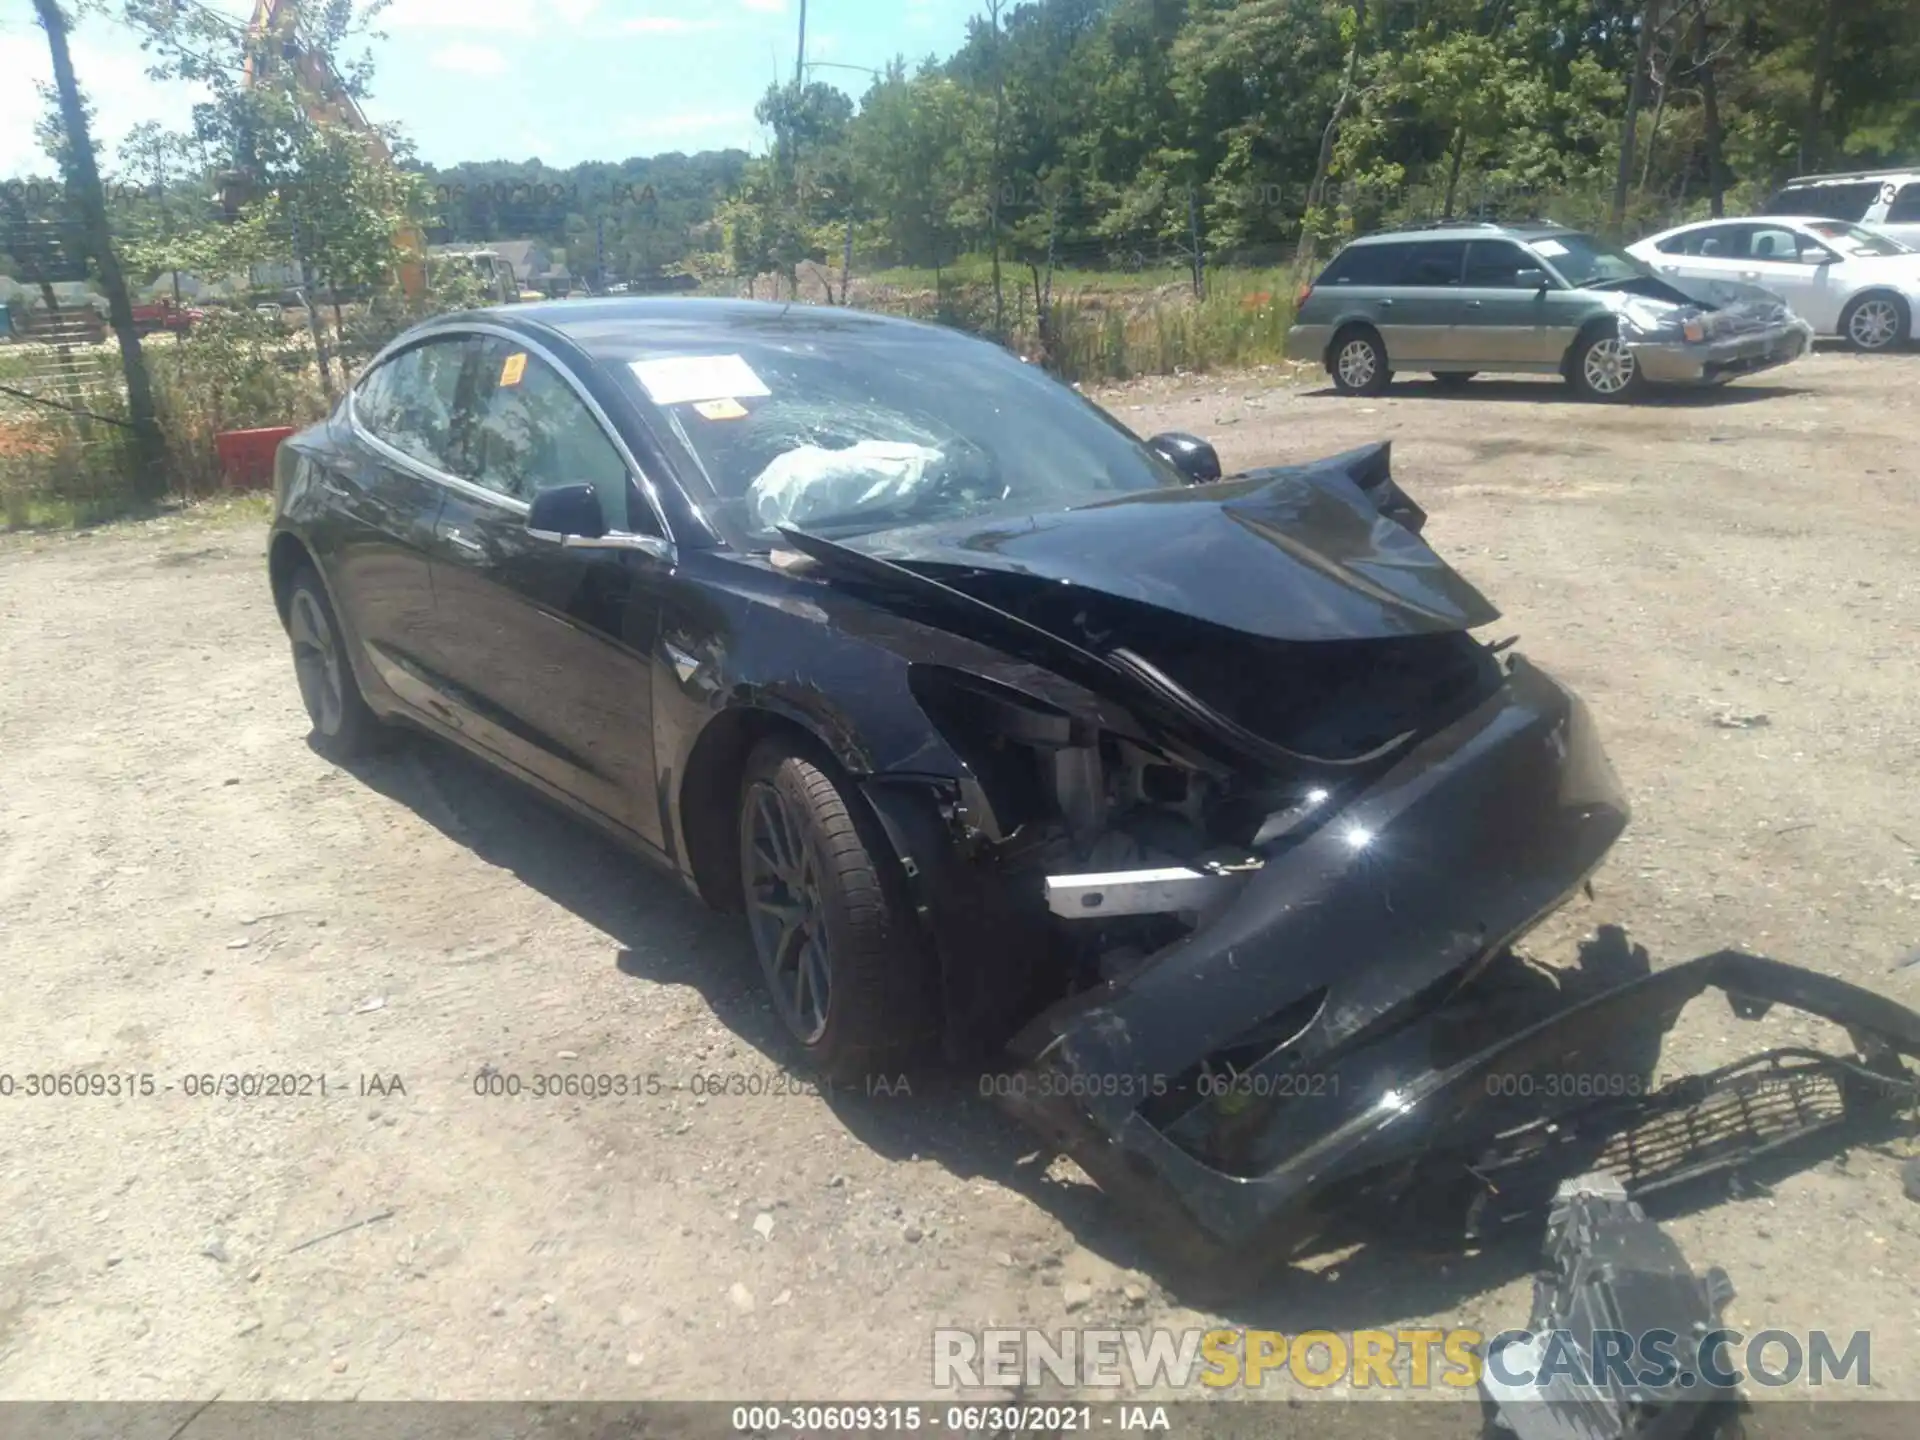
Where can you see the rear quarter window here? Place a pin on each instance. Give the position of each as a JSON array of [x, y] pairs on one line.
[[1363, 265], [1905, 209], [1849, 201]]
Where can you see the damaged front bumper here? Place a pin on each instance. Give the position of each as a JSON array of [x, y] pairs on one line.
[[1298, 1059], [1691, 346], [1677, 362]]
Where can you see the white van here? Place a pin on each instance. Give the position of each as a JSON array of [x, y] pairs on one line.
[[1888, 200]]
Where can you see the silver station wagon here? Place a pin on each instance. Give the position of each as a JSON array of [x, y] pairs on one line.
[[1459, 299]]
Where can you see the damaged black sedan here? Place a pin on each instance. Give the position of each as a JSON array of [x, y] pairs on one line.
[[1003, 727]]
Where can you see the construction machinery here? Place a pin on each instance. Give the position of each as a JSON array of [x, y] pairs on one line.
[[273, 37]]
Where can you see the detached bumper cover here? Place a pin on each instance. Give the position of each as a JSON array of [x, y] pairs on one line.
[[1379, 1136]]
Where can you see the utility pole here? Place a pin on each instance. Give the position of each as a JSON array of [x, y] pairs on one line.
[[846, 261], [800, 56], [150, 481], [1193, 235]]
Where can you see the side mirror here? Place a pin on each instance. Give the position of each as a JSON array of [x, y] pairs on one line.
[[1189, 454], [1536, 280], [568, 510]]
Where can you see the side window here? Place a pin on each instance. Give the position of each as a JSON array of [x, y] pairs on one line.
[[1722, 242], [531, 432], [1362, 265], [1501, 264], [1849, 201], [1687, 244], [1771, 242], [408, 401], [1905, 209], [1432, 262]]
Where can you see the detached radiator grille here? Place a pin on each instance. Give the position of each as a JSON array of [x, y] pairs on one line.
[[1692, 1128]]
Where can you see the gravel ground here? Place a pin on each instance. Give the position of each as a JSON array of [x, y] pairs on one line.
[[186, 889]]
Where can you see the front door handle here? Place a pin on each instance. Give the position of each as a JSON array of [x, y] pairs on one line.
[[460, 540], [1749, 274], [1473, 304], [1385, 304]]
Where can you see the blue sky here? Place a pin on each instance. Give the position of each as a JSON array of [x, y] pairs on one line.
[[564, 80]]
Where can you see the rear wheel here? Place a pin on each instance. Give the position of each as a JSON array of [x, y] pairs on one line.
[[1875, 321], [1603, 368], [1359, 362], [344, 726], [836, 942]]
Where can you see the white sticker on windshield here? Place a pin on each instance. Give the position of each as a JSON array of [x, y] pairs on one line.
[[1547, 247], [678, 379]]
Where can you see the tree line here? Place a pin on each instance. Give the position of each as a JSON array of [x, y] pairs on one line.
[[1088, 128], [1098, 132]]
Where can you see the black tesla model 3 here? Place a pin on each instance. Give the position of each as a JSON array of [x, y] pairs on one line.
[[970, 698], [1006, 728]]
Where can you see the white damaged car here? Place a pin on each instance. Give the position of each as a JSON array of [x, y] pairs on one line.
[[1842, 279]]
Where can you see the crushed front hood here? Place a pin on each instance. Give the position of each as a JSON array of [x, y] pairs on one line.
[[1298, 552]]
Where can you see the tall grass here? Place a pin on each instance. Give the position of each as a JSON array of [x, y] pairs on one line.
[[1242, 320], [1103, 326], [73, 465]]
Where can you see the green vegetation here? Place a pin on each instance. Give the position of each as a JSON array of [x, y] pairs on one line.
[[1110, 187], [1124, 135]]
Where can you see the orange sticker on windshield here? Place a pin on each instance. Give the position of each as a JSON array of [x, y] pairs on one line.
[[515, 367], [720, 409]]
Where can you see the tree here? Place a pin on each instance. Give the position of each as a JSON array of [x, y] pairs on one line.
[[82, 173], [316, 184]]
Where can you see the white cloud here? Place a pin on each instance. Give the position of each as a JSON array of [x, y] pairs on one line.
[[766, 7], [468, 59], [666, 25]]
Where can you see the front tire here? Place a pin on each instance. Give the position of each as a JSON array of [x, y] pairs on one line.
[[1875, 322], [1358, 362], [844, 965], [1603, 368], [344, 726]]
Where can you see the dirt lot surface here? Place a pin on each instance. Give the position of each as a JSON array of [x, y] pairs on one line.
[[186, 889]]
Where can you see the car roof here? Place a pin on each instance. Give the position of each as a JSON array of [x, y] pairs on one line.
[[1750, 220], [1852, 177], [618, 328], [1808, 222], [1467, 229]]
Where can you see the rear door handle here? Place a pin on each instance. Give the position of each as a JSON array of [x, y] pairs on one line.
[[1749, 274], [1473, 304], [1385, 304], [460, 540]]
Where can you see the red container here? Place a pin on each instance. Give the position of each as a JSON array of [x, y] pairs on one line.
[[246, 456]]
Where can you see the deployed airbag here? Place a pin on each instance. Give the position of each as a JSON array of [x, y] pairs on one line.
[[812, 481]]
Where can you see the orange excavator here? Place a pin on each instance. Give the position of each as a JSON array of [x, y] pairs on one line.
[[273, 37]]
